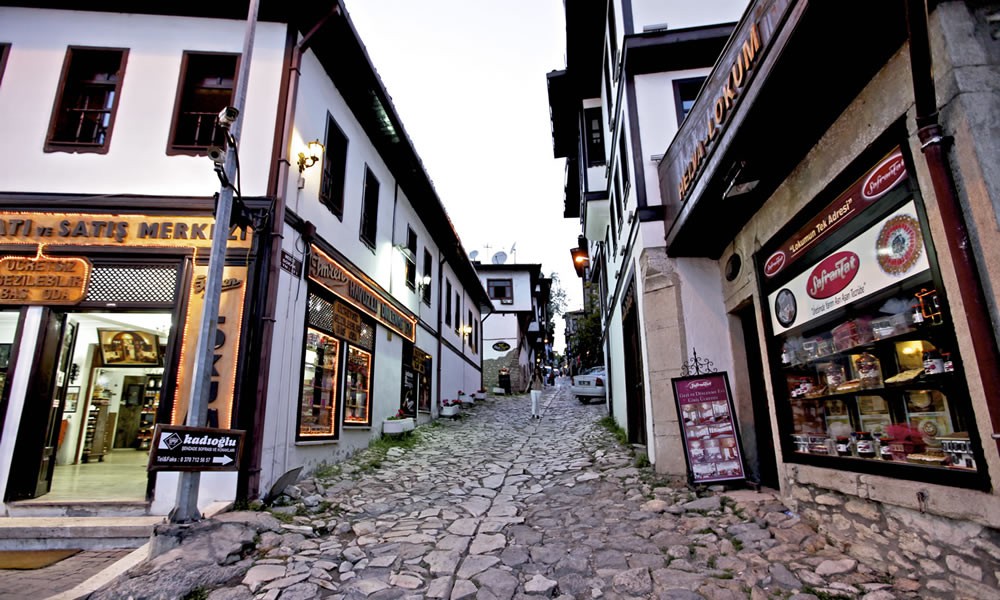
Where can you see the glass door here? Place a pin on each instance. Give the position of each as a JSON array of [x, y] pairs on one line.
[[357, 407]]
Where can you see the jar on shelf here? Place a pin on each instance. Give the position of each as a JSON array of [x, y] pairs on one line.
[[869, 371], [933, 362], [833, 373], [865, 444], [843, 445]]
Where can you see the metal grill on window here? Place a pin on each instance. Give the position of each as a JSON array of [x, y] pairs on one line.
[[367, 340], [320, 313], [133, 285]]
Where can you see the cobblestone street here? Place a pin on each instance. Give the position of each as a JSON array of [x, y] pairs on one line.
[[497, 505]]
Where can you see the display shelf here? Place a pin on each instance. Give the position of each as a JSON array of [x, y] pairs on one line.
[[147, 417]]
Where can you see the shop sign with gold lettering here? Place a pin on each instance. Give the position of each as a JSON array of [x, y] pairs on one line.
[[114, 230], [43, 280], [332, 276]]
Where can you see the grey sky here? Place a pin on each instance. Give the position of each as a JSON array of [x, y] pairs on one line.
[[468, 80]]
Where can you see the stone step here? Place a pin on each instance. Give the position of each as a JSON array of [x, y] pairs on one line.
[[86, 533], [36, 508]]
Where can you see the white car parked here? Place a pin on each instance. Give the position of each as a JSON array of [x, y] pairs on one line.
[[590, 385]]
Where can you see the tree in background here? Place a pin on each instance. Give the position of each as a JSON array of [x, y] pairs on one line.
[[556, 305], [588, 339]]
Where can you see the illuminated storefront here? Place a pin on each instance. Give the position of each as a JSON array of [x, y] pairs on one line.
[[344, 312], [100, 313]]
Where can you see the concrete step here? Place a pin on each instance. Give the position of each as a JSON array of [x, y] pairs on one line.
[[87, 533], [36, 508]]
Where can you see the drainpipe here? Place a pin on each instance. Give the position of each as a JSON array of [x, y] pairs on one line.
[[932, 142], [440, 333], [248, 480]]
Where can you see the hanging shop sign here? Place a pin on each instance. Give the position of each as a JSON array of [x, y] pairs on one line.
[[346, 323], [179, 448], [43, 280], [226, 347], [880, 180], [114, 230], [332, 276], [711, 442], [880, 257], [501, 346]]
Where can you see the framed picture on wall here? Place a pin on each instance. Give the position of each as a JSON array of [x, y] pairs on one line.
[[72, 398], [125, 348]]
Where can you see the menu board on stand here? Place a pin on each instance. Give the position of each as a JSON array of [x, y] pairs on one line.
[[711, 442]]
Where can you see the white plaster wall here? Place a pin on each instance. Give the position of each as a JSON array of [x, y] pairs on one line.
[[678, 14], [499, 327], [615, 362], [657, 115], [705, 311], [136, 162]]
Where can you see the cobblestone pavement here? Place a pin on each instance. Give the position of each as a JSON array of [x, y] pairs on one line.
[[57, 577], [497, 505]]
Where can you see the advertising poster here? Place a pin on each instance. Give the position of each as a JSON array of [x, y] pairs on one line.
[[880, 257], [711, 443]]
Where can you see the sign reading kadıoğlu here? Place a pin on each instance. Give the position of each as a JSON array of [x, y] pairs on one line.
[[711, 443], [180, 448], [43, 280], [331, 275]]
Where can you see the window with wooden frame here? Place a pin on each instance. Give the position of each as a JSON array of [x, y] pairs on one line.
[[87, 100], [369, 209], [471, 340], [447, 302], [501, 289], [458, 311], [428, 276], [331, 189], [207, 84], [4, 51], [411, 258], [595, 136], [685, 93]]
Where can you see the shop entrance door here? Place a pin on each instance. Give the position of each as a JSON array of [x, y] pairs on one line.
[[635, 392], [34, 457], [767, 466]]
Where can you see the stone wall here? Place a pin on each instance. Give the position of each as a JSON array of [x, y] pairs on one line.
[[491, 371], [947, 558]]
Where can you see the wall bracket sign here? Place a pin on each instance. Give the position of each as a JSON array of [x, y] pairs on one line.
[[43, 280]]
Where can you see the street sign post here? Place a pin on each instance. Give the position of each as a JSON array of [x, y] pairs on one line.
[[180, 448]]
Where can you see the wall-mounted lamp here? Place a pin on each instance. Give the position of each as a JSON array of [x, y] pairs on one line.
[[424, 282], [466, 330], [310, 156]]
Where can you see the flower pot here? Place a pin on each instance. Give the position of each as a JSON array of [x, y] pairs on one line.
[[466, 400], [479, 395], [449, 411], [397, 425]]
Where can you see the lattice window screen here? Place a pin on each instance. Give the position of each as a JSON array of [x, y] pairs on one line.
[[121, 284], [321, 315]]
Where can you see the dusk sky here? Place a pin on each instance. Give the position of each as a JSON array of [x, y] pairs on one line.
[[468, 81]]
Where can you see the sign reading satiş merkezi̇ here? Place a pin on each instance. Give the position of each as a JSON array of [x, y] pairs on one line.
[[180, 448]]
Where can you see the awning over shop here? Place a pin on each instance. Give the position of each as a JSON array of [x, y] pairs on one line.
[[789, 70]]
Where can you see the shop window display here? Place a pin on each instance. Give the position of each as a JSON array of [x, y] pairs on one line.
[[318, 410], [869, 377]]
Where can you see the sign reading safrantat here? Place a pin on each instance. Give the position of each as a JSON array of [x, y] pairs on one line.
[[331, 275]]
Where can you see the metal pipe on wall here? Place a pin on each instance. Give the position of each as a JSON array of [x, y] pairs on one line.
[[932, 144]]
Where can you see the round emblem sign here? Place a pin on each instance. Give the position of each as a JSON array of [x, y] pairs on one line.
[[785, 308], [501, 346], [899, 245]]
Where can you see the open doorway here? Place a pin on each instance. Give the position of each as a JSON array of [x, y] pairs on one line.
[[106, 379]]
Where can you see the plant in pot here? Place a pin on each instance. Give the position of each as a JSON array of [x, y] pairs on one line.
[[449, 408], [480, 394], [465, 398], [398, 423], [903, 439]]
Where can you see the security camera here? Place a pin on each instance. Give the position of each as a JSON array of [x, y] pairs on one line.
[[218, 155], [227, 116]]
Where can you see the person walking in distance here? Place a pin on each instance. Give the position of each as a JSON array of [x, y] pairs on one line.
[[536, 391]]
